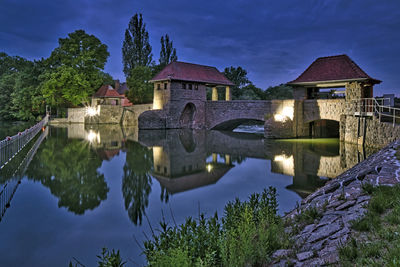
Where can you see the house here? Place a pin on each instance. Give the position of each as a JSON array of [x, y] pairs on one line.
[[107, 95]]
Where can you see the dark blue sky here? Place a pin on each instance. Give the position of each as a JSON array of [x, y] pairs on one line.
[[273, 40]]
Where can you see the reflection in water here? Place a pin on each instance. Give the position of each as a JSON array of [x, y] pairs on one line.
[[180, 160], [136, 183], [69, 169], [79, 164]]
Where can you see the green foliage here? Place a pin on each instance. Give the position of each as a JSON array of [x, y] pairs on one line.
[[248, 234], [238, 76], [281, 91], [20, 97], [106, 78], [74, 70], [141, 91], [27, 99], [136, 181], [378, 245], [136, 49], [110, 259], [167, 52], [69, 168], [308, 216]]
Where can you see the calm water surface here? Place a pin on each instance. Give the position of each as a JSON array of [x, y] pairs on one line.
[[88, 188]]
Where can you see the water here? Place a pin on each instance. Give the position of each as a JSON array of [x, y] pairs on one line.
[[10, 128], [88, 188]]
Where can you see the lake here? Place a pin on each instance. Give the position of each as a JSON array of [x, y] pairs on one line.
[[92, 187]]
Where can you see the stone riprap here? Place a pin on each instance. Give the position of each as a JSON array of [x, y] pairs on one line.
[[338, 202]]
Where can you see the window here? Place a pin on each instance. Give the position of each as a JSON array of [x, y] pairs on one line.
[[196, 87], [158, 86], [190, 86], [183, 85], [165, 86], [158, 168], [165, 170]]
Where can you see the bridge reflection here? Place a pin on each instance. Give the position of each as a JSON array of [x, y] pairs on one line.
[[180, 160]]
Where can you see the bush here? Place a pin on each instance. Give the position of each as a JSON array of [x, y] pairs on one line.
[[248, 234]]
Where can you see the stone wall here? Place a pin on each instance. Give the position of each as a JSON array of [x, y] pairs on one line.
[[130, 115], [339, 201], [369, 131], [326, 109], [76, 115]]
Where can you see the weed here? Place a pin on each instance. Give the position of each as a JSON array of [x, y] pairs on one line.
[[248, 233]]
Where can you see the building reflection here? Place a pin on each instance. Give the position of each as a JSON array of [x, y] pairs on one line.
[[183, 160]]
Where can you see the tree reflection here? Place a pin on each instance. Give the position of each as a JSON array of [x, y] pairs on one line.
[[136, 183], [68, 167]]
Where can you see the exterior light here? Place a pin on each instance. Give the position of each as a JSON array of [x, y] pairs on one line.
[[209, 167], [285, 114], [93, 136], [92, 111]]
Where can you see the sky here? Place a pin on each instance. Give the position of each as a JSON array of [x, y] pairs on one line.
[[275, 41]]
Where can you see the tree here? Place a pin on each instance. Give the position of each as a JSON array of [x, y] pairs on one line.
[[239, 77], [140, 90], [136, 49], [281, 91], [251, 92], [167, 53], [137, 182], [10, 72], [27, 99], [70, 169], [74, 69]]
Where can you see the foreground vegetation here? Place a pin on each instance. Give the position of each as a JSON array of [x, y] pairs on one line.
[[247, 234], [376, 239]]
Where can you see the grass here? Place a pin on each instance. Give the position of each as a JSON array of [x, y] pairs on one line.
[[247, 234], [376, 241]]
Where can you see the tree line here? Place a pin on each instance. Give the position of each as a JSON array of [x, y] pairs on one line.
[[75, 70]]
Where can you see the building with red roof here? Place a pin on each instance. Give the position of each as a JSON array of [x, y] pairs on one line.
[[107, 95], [189, 72], [325, 74], [180, 80]]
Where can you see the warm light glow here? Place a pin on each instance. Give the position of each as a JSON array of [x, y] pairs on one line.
[[209, 167], [93, 136], [286, 164], [288, 112], [285, 114], [279, 117], [92, 111]]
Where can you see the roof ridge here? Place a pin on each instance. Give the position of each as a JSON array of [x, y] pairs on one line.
[[195, 64]]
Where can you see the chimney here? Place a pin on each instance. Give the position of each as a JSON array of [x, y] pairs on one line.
[[116, 85]]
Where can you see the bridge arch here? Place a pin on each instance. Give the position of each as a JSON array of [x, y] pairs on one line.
[[230, 125], [186, 119]]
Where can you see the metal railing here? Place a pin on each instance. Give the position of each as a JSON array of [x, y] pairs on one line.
[[376, 107], [11, 184], [10, 146]]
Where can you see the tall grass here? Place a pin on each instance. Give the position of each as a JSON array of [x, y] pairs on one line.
[[247, 234]]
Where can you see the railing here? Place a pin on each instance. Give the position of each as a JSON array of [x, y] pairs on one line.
[[10, 146], [376, 107], [11, 184]]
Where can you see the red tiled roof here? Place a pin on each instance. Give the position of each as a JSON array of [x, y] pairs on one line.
[[125, 102], [333, 68], [183, 71], [107, 91]]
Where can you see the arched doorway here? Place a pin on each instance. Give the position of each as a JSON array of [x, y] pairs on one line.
[[187, 116]]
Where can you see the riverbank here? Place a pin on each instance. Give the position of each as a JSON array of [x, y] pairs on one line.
[[322, 223]]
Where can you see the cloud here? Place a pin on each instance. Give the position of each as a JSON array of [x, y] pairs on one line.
[[274, 41]]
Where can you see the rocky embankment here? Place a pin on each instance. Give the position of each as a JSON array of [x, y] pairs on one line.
[[339, 202]]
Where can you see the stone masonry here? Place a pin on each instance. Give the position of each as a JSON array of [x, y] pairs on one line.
[[340, 201]]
